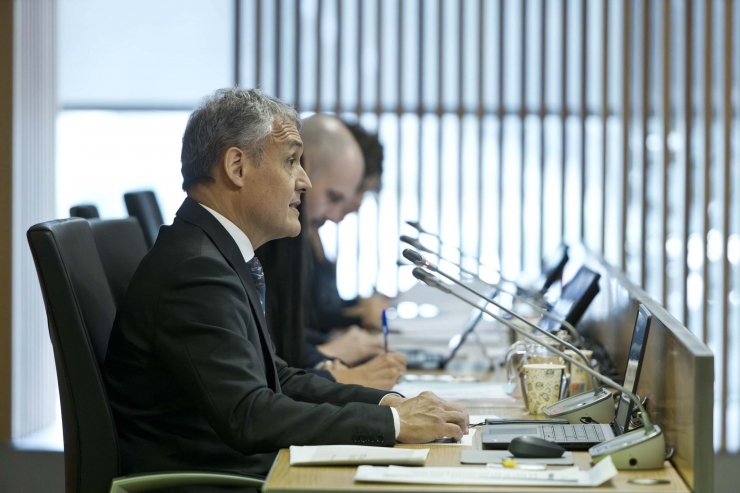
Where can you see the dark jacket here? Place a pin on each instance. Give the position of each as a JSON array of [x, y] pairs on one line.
[[192, 375]]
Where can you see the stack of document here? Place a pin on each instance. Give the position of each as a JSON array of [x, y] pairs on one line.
[[353, 455], [478, 476]]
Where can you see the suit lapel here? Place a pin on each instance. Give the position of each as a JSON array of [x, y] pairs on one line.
[[195, 214]]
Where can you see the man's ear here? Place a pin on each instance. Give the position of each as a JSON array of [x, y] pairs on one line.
[[235, 166]]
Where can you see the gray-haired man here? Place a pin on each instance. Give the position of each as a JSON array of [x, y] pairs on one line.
[[192, 376]]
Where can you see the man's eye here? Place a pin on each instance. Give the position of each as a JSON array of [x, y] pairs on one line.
[[291, 162]]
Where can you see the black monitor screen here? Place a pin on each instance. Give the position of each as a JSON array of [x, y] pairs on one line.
[[634, 363], [575, 298]]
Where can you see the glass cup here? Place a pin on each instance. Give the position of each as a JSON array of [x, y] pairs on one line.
[[580, 380], [544, 384], [522, 353]]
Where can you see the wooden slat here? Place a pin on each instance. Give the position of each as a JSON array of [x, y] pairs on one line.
[[500, 118], [297, 49], [319, 59], [460, 112], [278, 46], [582, 105], [360, 41], [480, 114], [707, 161], [338, 73], [258, 48], [688, 110], [237, 41], [665, 93], [541, 114], [644, 115], [440, 112], [420, 108], [523, 136], [399, 114], [626, 81], [727, 198], [604, 119], [563, 117]]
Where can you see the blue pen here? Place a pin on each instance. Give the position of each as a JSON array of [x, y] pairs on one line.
[[385, 331]]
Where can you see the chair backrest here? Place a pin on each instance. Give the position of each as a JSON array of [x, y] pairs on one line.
[[121, 246], [85, 211], [144, 207], [80, 311]]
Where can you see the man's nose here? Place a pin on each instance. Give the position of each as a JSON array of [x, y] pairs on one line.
[[335, 214], [303, 183]]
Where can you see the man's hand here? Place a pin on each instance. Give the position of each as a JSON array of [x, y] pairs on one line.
[[369, 310], [381, 372], [353, 345], [427, 417]]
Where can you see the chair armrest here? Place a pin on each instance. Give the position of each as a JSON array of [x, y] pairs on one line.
[[146, 482]]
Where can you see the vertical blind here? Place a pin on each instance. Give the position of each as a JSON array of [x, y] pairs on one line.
[[34, 387], [511, 126]]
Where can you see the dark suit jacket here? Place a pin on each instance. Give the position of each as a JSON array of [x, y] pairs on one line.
[[193, 379]]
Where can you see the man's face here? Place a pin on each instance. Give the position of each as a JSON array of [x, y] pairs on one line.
[[369, 184], [279, 181], [333, 187]]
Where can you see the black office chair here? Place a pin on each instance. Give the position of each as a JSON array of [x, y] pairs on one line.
[[85, 211], [144, 207], [121, 246], [80, 311]]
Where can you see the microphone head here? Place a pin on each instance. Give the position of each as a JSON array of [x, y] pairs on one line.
[[414, 257], [414, 243], [420, 274], [415, 225]]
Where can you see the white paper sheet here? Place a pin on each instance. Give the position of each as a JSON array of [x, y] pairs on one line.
[[456, 391], [467, 440], [340, 455], [471, 476], [481, 418]]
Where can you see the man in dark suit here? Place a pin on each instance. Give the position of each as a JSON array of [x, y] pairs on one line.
[[191, 372]]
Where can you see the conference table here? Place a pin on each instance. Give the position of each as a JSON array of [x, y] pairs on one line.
[[475, 360]]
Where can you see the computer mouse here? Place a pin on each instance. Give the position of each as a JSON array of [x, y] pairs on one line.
[[532, 447]]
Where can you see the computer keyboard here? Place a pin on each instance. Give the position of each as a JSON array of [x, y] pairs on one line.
[[573, 433]]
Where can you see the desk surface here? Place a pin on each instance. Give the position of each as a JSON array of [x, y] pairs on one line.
[[426, 333], [283, 478]]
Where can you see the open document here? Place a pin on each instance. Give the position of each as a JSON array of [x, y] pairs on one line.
[[479, 476], [353, 455]]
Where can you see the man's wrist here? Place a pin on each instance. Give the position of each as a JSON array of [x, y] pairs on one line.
[[391, 400]]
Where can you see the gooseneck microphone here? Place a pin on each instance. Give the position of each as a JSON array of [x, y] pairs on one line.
[[598, 406], [418, 259], [419, 246], [417, 227], [597, 385], [643, 448]]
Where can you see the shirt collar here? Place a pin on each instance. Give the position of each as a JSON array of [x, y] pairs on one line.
[[241, 239]]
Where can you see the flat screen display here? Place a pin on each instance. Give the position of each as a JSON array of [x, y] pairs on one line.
[[575, 298], [634, 363]]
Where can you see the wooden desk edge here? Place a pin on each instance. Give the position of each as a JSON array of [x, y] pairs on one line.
[[339, 479]]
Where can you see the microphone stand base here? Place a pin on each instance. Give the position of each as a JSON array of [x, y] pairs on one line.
[[599, 408], [633, 450]]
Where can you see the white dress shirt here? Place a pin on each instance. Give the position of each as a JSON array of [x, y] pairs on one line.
[[245, 247]]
